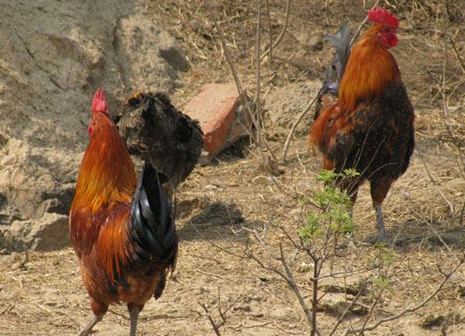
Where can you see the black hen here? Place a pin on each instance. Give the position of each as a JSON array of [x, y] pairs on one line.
[[328, 92], [167, 138]]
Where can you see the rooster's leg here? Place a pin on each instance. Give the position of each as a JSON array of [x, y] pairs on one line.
[[134, 314], [353, 198], [99, 310], [379, 189], [380, 224], [88, 328]]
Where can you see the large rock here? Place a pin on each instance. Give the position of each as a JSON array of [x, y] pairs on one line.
[[54, 55], [50, 232]]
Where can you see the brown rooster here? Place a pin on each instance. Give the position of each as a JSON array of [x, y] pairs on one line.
[[370, 126], [121, 227], [160, 134]]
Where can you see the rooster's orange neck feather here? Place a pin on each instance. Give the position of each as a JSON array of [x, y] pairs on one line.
[[107, 174], [370, 68]]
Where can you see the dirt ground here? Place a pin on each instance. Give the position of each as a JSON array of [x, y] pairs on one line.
[[223, 204]]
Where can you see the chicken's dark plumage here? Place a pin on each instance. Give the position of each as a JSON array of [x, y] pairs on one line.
[[167, 138], [367, 145], [153, 232], [328, 92], [370, 126]]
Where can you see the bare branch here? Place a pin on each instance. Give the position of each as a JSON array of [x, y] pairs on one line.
[[291, 281], [372, 308], [359, 29], [270, 34], [436, 233], [266, 267], [462, 213], [228, 308], [294, 126], [235, 74], [258, 125], [349, 308], [216, 327], [222, 313], [426, 167], [281, 34], [445, 108], [412, 309], [457, 55], [240, 88]]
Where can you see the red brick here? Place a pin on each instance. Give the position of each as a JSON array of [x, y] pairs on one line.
[[215, 107]]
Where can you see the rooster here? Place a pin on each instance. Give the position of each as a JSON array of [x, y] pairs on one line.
[[370, 127], [167, 138], [121, 226]]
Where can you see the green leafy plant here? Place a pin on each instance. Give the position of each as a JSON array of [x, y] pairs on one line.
[[335, 205]]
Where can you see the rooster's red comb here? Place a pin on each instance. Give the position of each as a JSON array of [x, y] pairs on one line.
[[382, 15], [99, 103]]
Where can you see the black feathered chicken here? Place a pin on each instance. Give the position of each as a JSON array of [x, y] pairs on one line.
[[162, 135]]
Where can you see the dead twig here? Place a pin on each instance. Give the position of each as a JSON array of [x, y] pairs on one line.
[[409, 309], [222, 313], [445, 107], [359, 29], [457, 55], [119, 314], [349, 308], [310, 314], [428, 171], [216, 327], [19, 281], [294, 126], [234, 71], [462, 213], [370, 312], [240, 88], [244, 99], [258, 125], [281, 34], [270, 34]]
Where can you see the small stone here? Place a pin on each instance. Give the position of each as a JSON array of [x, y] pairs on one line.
[[174, 56], [432, 320], [336, 305], [243, 307]]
